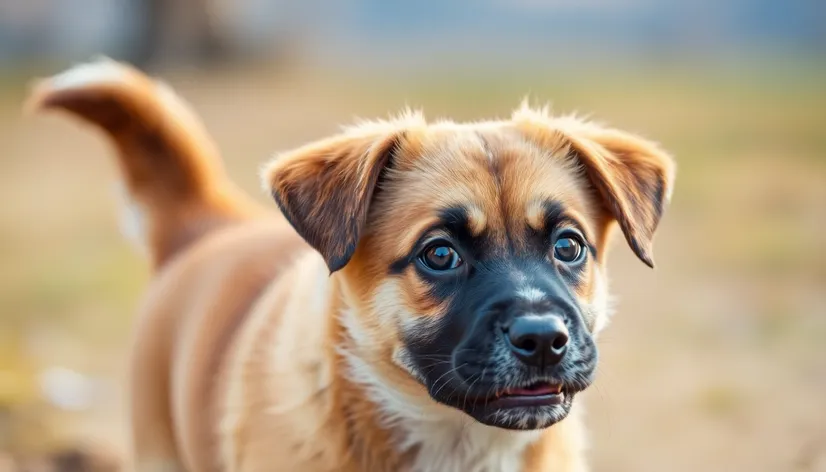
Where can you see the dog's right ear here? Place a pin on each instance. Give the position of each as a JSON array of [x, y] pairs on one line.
[[325, 188], [633, 176]]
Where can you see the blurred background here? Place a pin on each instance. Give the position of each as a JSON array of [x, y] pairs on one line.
[[715, 361]]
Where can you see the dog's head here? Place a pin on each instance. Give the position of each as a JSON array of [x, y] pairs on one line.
[[472, 255]]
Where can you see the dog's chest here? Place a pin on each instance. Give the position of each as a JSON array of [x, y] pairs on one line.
[[464, 447]]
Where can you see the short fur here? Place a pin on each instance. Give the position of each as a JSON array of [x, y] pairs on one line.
[[320, 341]]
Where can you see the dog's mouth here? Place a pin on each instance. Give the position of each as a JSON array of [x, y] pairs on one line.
[[522, 405], [534, 394]]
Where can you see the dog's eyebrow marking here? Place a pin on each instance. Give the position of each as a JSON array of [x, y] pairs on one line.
[[462, 223], [476, 220], [535, 213], [544, 215]]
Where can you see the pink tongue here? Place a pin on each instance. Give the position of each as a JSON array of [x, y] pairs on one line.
[[534, 390]]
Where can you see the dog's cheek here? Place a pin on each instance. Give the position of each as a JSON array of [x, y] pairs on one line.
[[404, 304], [585, 284], [598, 309]]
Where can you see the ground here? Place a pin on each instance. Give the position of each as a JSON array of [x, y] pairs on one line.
[[714, 361]]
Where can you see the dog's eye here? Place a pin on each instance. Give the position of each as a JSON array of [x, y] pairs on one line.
[[568, 249], [441, 257]]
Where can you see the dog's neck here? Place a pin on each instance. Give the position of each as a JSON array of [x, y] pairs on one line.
[[394, 427]]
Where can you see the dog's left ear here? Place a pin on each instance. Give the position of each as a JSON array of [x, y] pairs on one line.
[[632, 175], [324, 189]]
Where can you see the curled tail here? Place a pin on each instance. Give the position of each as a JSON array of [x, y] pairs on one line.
[[171, 169]]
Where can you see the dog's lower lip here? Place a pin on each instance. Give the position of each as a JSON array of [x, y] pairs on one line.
[[538, 389], [541, 394]]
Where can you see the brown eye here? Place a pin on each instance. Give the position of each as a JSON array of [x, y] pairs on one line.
[[568, 250], [441, 257]]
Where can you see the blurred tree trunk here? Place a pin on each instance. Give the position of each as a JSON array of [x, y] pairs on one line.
[[177, 31]]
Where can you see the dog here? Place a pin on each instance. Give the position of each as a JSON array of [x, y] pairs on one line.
[[426, 299]]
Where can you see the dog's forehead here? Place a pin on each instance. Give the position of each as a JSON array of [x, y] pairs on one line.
[[490, 171]]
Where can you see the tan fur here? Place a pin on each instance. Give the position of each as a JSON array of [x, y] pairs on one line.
[[250, 355]]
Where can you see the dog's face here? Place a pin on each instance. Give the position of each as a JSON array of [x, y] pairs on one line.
[[473, 255]]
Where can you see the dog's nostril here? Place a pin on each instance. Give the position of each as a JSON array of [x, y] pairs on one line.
[[560, 341], [528, 344]]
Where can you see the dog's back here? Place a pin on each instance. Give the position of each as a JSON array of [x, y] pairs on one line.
[[213, 249]]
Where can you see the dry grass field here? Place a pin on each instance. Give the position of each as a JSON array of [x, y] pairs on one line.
[[715, 361]]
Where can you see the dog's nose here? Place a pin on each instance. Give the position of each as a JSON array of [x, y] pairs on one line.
[[539, 341]]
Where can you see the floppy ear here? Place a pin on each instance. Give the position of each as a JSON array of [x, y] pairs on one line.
[[324, 189], [633, 176]]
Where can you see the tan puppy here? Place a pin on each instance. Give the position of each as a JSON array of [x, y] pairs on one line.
[[429, 303]]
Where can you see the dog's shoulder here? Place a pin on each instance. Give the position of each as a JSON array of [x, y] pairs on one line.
[[275, 378]]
